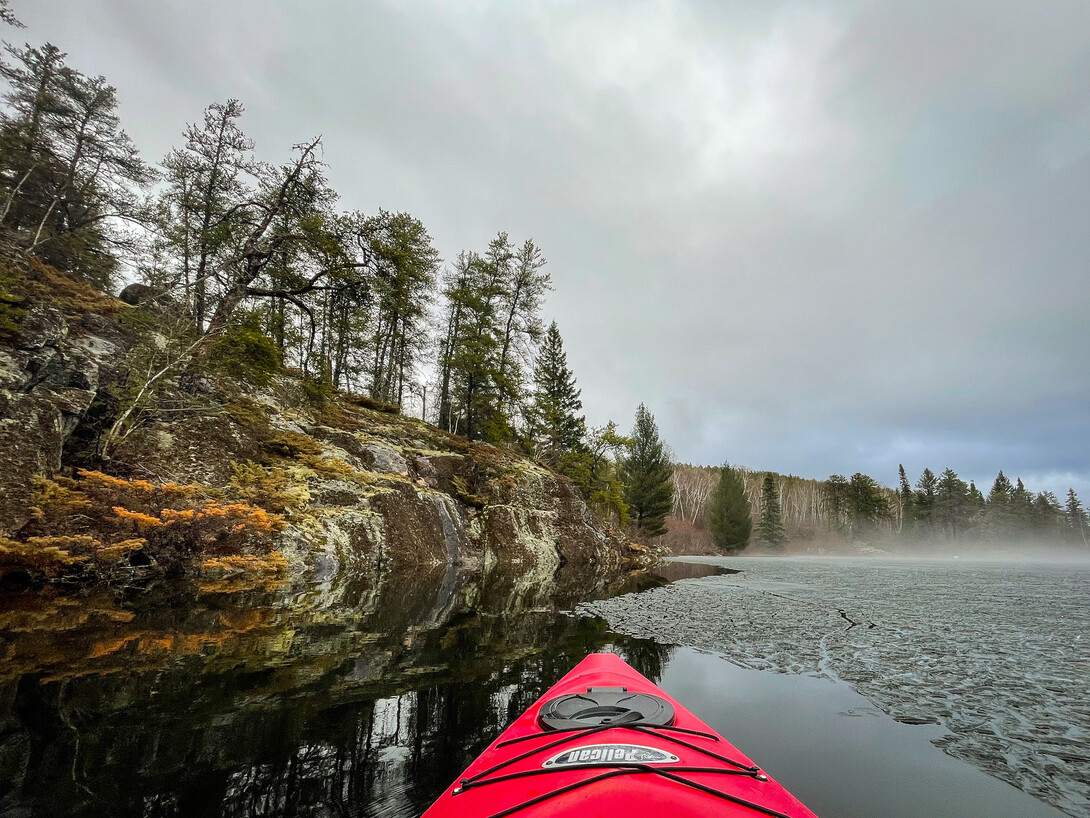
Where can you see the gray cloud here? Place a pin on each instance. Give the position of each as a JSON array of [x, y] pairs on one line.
[[812, 237]]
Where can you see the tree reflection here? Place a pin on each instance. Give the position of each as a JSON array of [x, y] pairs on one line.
[[362, 704]]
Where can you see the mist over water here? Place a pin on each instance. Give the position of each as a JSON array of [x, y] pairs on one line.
[[994, 651]]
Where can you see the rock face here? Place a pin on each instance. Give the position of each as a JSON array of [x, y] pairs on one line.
[[369, 490], [49, 375], [385, 491]]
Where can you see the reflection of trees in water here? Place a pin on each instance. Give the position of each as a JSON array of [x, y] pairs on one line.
[[314, 712], [646, 655]]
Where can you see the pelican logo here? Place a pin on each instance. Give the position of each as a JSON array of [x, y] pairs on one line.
[[593, 754]]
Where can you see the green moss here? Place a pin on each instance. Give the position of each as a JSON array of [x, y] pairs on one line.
[[373, 405], [462, 492], [291, 444], [245, 353], [331, 468], [270, 488], [11, 310], [248, 414]]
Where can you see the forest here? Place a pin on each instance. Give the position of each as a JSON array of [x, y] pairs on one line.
[[254, 270], [936, 510]]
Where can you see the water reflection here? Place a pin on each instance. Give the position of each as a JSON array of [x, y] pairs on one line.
[[364, 698], [667, 572]]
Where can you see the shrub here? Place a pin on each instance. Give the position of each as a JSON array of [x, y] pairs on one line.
[[318, 392], [245, 353]]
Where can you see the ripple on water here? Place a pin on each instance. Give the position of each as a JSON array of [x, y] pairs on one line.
[[997, 654]]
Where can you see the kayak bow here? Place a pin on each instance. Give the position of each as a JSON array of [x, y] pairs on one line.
[[605, 741]]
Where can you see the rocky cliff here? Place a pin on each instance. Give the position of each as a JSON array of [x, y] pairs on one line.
[[327, 482]]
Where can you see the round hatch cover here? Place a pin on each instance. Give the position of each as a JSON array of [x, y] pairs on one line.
[[601, 706]]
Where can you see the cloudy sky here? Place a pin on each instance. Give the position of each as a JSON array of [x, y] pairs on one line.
[[812, 237]]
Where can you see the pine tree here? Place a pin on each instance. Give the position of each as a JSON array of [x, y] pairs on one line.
[[405, 265], [770, 529], [835, 494], [998, 518], [908, 502], [200, 206], [647, 476], [926, 489], [558, 428], [976, 499], [1049, 519], [68, 172], [867, 503], [525, 287], [1021, 510], [470, 393], [729, 516], [952, 509], [1076, 517]]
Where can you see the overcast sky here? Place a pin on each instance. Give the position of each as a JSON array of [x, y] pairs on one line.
[[811, 237]]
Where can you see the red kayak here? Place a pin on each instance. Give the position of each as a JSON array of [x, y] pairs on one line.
[[606, 742]]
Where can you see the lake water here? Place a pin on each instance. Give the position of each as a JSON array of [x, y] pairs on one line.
[[368, 698], [992, 658]]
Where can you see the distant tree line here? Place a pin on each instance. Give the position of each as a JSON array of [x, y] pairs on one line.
[[256, 270], [946, 508], [938, 509]]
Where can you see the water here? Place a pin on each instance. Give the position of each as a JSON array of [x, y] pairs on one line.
[[367, 697], [996, 655]]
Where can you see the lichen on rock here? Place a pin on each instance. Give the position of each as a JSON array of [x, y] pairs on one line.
[[358, 487]]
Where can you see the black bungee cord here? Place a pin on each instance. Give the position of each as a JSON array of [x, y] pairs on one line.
[[613, 770]]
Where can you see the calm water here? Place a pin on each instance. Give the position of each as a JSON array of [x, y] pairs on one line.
[[368, 698], [996, 656]]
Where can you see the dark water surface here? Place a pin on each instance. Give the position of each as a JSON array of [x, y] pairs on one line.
[[367, 698], [995, 655]]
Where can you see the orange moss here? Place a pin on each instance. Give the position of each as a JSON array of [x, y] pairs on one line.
[[96, 479], [98, 521], [271, 563], [141, 520]]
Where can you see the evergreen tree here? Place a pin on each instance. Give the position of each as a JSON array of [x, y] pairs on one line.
[[470, 393], [490, 325], [770, 529], [1021, 509], [976, 499], [926, 490], [405, 267], [1076, 517], [558, 428], [647, 476], [998, 518], [952, 509], [525, 286], [1001, 491], [1049, 519], [908, 502], [7, 16], [835, 494], [730, 519], [201, 206], [867, 504], [68, 172]]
